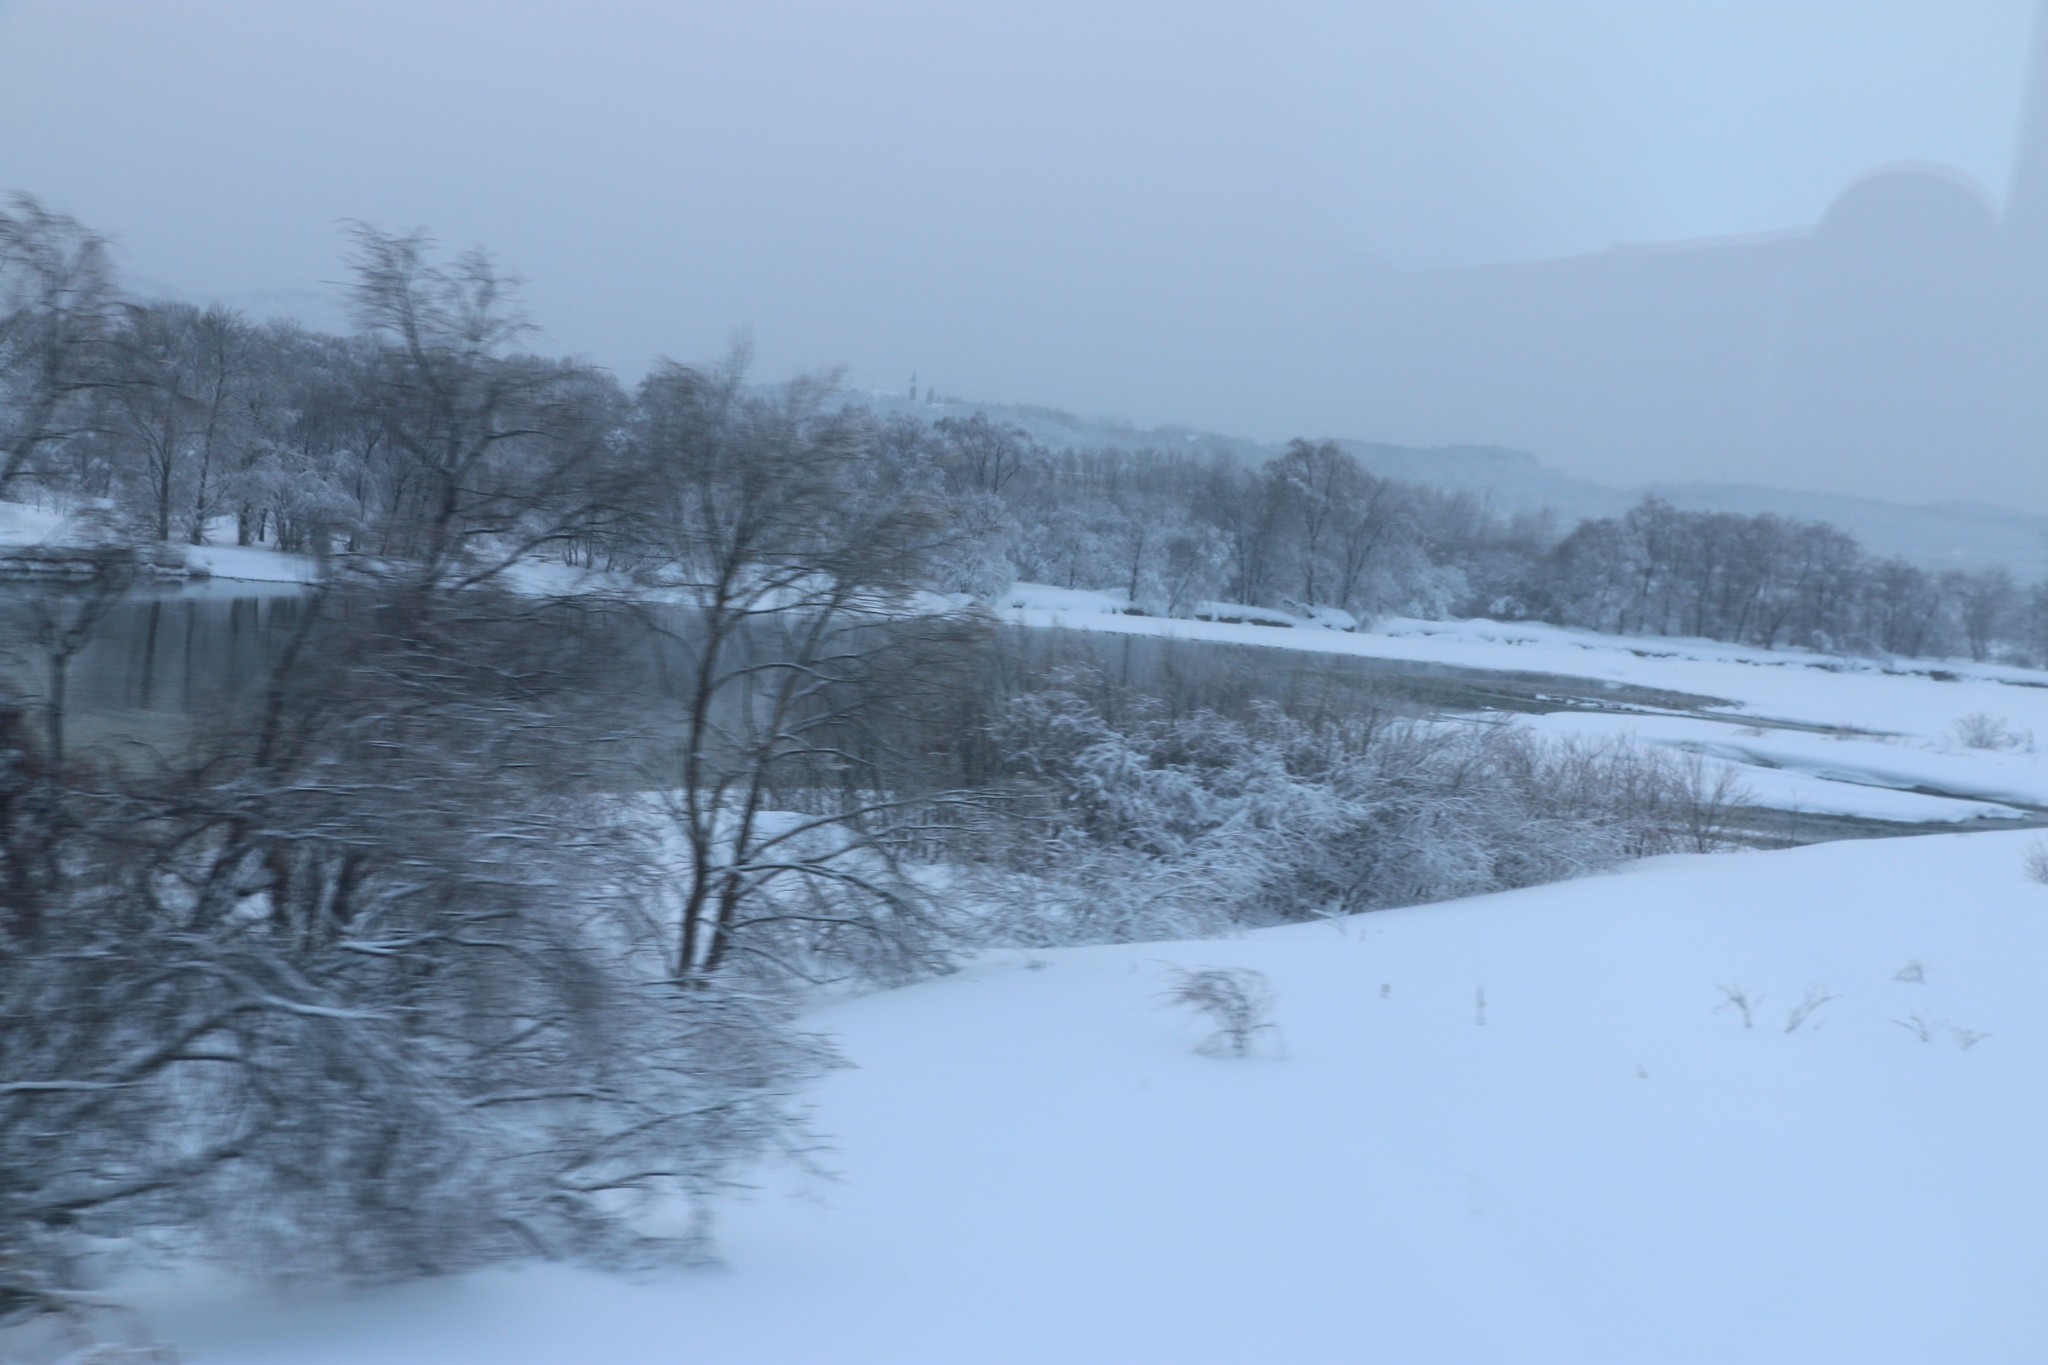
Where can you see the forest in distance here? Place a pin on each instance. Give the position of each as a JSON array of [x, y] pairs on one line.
[[385, 972], [172, 423]]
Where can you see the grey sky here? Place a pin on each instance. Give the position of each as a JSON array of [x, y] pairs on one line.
[[1158, 210]]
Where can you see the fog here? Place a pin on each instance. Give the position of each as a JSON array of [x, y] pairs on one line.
[[1269, 220]]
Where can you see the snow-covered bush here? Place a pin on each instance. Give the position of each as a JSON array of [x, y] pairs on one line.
[[1167, 825], [1982, 730], [362, 988]]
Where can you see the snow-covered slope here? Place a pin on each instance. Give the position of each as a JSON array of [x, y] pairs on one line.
[[1037, 1166]]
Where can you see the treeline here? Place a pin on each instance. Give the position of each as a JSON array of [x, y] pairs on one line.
[[1765, 580], [1312, 529], [177, 423]]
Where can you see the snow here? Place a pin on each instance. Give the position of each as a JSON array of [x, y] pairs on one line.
[[1034, 1164], [1041, 597], [1891, 727], [1847, 795], [23, 525], [1802, 770], [1044, 597], [251, 563], [1038, 1167]]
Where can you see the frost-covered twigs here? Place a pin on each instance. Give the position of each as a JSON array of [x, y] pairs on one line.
[[2034, 862], [1743, 1001], [1709, 795], [360, 988], [1966, 1038], [1982, 730], [1235, 1001], [83, 1329], [1190, 822], [1919, 1025], [1815, 997]]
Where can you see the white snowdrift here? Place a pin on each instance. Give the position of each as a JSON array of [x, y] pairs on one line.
[[1796, 769], [1807, 688], [23, 524], [1038, 1167]]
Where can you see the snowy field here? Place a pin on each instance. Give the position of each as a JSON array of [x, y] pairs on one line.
[[1036, 1165]]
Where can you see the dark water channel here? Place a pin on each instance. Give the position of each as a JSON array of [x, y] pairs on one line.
[[168, 651], [165, 658], [1308, 679], [166, 654]]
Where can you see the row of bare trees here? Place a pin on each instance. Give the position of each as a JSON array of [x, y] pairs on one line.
[[1312, 529], [168, 418], [1767, 580]]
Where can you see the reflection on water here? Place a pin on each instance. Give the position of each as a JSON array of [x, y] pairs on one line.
[[171, 650], [165, 655]]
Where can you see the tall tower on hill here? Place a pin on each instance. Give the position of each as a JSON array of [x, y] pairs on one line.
[[2026, 204]]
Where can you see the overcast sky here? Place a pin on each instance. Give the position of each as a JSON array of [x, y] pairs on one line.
[[1117, 207]]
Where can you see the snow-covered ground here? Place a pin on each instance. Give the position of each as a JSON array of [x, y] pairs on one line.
[[23, 524], [1529, 1127], [1873, 739], [26, 526], [1037, 1166], [251, 563]]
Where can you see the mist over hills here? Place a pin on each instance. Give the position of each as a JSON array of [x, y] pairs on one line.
[[1933, 536]]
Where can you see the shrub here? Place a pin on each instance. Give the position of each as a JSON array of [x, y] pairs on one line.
[[2034, 862], [1161, 826], [1236, 1001], [1982, 730]]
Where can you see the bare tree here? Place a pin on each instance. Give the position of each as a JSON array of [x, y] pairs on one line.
[[796, 555], [361, 982], [492, 453], [1986, 603], [980, 456], [55, 290], [170, 400], [363, 979], [1319, 486]]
